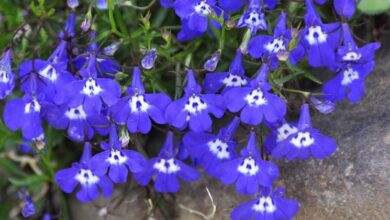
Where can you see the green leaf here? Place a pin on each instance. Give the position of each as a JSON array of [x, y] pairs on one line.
[[10, 168], [372, 7], [30, 180]]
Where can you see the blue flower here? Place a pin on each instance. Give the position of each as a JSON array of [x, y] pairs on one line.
[[253, 18], [212, 63], [255, 102], [83, 173], [104, 65], [167, 3], [268, 205], [354, 66], [26, 114], [92, 92], [102, 4], [52, 74], [194, 108], [196, 12], [318, 40], [166, 168], [345, 8], [148, 61], [47, 216], [7, 82], [268, 47], [80, 125], [68, 31], [72, 3], [115, 160], [28, 208], [305, 142], [235, 77], [280, 131], [249, 172], [210, 151], [230, 5], [138, 107], [187, 34]]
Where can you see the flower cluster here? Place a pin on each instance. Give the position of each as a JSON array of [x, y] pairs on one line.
[[82, 94]]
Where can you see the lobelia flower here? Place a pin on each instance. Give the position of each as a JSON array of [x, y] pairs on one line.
[[115, 160], [209, 150], [269, 205], [318, 40], [138, 107], [72, 3], [196, 13], [212, 63], [187, 34], [306, 142], [53, 74], [345, 8], [249, 172], [323, 106], [68, 32], [148, 61], [111, 49], [268, 47], [92, 92], [280, 131], [255, 102], [235, 77], [253, 18], [28, 208], [101, 4], [7, 77], [26, 114], [104, 65], [79, 124], [194, 108], [47, 216], [167, 3], [166, 168], [230, 5], [270, 3], [354, 66], [83, 173]]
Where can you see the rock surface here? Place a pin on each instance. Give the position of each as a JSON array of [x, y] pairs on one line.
[[352, 184]]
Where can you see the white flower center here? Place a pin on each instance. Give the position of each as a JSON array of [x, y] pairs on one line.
[[233, 80], [4, 76], [137, 104], [264, 204], [32, 106], [49, 72], [302, 139], [116, 157], [91, 88], [349, 76], [352, 56], [202, 8], [77, 113], [219, 149], [254, 20], [248, 167], [195, 105], [284, 131], [86, 177], [255, 98], [275, 45], [316, 35], [166, 166]]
